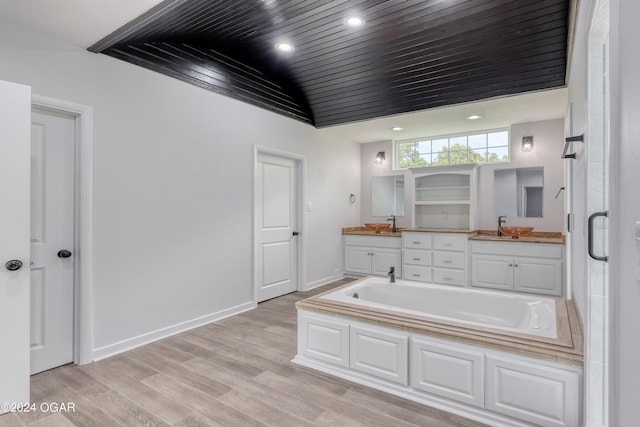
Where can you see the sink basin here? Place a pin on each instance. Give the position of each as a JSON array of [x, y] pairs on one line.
[[516, 232], [378, 227]]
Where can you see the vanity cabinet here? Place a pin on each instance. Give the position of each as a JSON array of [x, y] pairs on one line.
[[372, 255], [435, 257], [523, 267]]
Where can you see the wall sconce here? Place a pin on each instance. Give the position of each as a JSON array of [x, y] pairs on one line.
[[379, 157], [527, 143]]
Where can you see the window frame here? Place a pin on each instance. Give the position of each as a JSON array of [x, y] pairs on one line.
[[486, 132]]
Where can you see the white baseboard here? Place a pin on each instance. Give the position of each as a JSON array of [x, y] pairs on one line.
[[322, 282], [140, 340]]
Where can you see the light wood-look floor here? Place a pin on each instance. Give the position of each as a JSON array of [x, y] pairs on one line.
[[235, 372]]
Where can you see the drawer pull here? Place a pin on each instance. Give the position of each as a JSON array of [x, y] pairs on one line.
[[448, 244], [416, 243], [447, 261], [416, 259], [416, 275], [447, 278]]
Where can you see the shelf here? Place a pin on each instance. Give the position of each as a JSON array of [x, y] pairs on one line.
[[443, 202], [450, 187]]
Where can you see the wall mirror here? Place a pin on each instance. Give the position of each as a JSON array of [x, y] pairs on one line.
[[387, 195], [518, 192]]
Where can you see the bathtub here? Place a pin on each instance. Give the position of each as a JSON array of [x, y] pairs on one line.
[[523, 314], [498, 358]]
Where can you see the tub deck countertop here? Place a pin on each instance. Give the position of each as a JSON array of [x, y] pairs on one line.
[[568, 346], [552, 237]]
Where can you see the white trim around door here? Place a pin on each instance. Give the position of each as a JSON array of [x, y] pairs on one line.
[[83, 292], [301, 188]]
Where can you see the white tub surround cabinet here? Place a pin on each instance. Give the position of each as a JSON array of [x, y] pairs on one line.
[[445, 197], [496, 387], [435, 257], [523, 267], [364, 255]]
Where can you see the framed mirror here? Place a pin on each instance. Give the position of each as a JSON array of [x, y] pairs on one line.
[[518, 192], [387, 195]]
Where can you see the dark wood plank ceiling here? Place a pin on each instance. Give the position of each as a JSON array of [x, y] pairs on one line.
[[410, 55]]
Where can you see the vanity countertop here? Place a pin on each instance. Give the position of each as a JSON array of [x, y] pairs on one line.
[[364, 231], [552, 237], [535, 237]]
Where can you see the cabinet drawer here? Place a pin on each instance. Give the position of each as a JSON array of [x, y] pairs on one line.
[[449, 259], [324, 339], [448, 371], [373, 241], [538, 394], [416, 240], [414, 272], [446, 242], [416, 257], [379, 354], [450, 277]]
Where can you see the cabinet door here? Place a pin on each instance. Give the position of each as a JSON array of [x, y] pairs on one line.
[[357, 259], [323, 339], [384, 259], [541, 395], [494, 272], [538, 275], [381, 354], [447, 371]]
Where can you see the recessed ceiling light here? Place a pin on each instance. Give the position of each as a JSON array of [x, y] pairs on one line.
[[354, 21], [284, 47], [474, 117], [397, 128]]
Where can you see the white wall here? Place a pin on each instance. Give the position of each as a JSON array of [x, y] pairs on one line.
[[173, 186], [548, 140], [548, 137]]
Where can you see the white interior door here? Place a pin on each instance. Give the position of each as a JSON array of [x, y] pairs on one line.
[[52, 239], [15, 115], [277, 220]]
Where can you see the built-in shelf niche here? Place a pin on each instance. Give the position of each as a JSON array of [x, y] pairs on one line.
[[445, 197]]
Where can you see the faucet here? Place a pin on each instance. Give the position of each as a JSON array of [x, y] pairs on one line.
[[501, 220], [393, 226], [392, 275]]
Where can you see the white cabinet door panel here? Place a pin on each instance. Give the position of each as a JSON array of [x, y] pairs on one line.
[[489, 271], [447, 371], [538, 394], [379, 354], [324, 339], [538, 276], [357, 259], [384, 259]]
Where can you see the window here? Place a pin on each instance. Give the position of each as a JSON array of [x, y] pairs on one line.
[[483, 147]]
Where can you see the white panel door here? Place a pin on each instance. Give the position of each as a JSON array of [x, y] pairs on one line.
[[277, 215], [15, 116], [52, 233]]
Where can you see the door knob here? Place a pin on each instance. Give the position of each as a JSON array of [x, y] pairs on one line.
[[13, 265], [64, 253], [295, 233]]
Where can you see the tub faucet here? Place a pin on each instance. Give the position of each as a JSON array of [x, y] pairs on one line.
[[501, 220], [392, 275], [393, 225]]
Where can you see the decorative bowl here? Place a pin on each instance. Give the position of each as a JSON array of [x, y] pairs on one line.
[[378, 227], [515, 232]]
